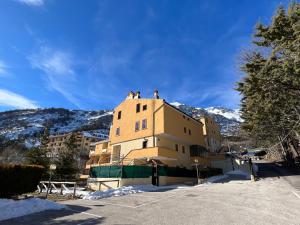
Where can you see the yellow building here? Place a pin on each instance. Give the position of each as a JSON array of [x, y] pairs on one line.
[[212, 134], [149, 133], [57, 143], [151, 129]]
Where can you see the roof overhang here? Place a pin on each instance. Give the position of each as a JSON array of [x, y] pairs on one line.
[[158, 158]]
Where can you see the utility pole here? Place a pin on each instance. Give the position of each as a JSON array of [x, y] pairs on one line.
[[230, 150]]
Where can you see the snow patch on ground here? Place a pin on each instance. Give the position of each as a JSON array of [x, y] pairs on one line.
[[232, 173], [11, 208], [239, 173], [215, 179], [126, 190]]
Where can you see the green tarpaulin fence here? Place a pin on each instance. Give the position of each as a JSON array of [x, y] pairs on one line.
[[138, 172]]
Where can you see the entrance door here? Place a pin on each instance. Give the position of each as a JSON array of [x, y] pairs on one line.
[[155, 180]]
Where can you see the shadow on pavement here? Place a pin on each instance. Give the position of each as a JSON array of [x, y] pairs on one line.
[[276, 169], [70, 216], [232, 177]]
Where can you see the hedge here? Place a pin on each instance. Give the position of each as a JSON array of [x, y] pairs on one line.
[[19, 179]]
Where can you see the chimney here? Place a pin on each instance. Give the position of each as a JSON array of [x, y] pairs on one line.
[[137, 95], [155, 95], [130, 95]]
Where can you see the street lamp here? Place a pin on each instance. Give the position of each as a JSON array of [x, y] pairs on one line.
[[196, 163], [52, 167]]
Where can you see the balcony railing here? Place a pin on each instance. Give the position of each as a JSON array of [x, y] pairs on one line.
[[161, 153]]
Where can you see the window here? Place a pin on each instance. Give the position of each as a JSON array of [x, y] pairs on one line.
[[137, 126], [138, 108], [183, 149], [145, 143], [176, 147], [119, 115], [184, 129], [190, 132], [118, 131], [188, 118], [183, 116], [144, 107], [144, 124]]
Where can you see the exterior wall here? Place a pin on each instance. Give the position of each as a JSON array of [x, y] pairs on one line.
[[129, 117], [211, 131], [112, 183], [107, 183], [102, 147], [183, 158], [226, 165], [128, 146], [166, 128], [164, 180], [170, 127], [175, 122]]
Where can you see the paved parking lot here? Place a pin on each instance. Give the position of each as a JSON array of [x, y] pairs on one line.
[[268, 201], [273, 200]]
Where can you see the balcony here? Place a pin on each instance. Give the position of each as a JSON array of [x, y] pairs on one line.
[[98, 159], [160, 153]]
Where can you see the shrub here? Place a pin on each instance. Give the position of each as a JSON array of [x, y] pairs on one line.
[[19, 179]]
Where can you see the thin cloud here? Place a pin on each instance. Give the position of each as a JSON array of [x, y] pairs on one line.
[[3, 69], [11, 99], [221, 95], [32, 2], [57, 65]]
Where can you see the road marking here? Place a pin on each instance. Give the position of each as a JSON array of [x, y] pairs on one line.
[[90, 214], [298, 196]]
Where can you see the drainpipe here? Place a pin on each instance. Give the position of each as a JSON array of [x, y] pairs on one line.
[[153, 129]]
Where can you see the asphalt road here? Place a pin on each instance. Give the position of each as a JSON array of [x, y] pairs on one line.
[[271, 200], [291, 175]]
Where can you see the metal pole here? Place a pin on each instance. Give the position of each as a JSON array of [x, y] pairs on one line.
[[197, 173], [74, 193], [49, 184]]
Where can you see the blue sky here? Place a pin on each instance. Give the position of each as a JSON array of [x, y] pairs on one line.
[[90, 54]]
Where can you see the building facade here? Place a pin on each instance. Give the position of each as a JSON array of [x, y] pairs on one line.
[[212, 134], [148, 133], [57, 143], [150, 129]]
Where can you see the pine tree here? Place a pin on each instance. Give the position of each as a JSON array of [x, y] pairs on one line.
[[67, 165], [271, 88], [40, 155]]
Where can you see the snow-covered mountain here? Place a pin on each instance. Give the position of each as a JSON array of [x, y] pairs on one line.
[[228, 113], [26, 125], [228, 119]]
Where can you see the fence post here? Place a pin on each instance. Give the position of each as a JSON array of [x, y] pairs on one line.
[[74, 194]]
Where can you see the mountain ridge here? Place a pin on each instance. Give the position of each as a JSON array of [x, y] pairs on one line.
[[26, 124]]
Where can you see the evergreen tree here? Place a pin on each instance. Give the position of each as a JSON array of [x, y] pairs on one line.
[[40, 155], [67, 165], [271, 88]]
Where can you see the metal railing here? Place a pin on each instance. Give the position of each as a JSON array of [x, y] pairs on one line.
[[53, 185]]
